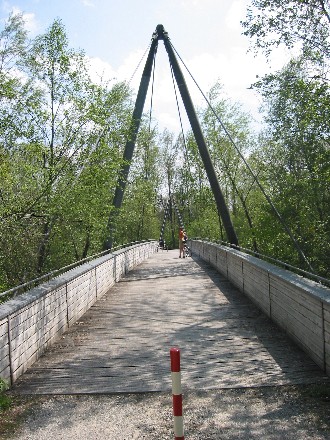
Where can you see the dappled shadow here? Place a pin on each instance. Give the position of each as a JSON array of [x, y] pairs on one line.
[[121, 345], [273, 340], [272, 413]]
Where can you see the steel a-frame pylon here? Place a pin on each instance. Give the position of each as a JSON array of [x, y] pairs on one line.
[[223, 211]]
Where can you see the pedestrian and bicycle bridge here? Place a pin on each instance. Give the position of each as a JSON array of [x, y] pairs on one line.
[[108, 325]]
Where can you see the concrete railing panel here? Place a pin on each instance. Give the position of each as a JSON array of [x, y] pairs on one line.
[[81, 295], [105, 276], [221, 264], [32, 321], [4, 349], [235, 270], [300, 314], [34, 326], [299, 306], [256, 285], [326, 314]]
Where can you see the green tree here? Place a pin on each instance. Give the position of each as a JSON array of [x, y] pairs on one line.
[[293, 161], [173, 158], [13, 44], [227, 152], [139, 218], [305, 23], [297, 154], [60, 159]]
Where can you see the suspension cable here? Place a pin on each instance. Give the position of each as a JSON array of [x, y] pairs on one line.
[[178, 107], [139, 63], [180, 118], [152, 90], [286, 227]]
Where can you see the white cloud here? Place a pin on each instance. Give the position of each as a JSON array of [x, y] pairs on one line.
[[31, 23], [88, 3], [169, 121], [132, 66], [190, 3], [6, 7], [234, 69], [100, 70], [198, 4], [235, 14]]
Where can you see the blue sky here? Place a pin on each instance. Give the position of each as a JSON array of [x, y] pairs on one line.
[[115, 33]]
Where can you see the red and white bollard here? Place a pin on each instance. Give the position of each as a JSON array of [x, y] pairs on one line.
[[177, 394]]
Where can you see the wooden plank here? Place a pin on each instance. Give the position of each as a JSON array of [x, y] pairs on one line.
[[5, 373], [122, 343], [292, 319], [256, 286], [4, 349], [81, 294], [235, 270], [3, 327], [312, 343], [4, 357], [105, 278], [36, 325], [296, 293], [326, 314], [222, 261], [297, 313]]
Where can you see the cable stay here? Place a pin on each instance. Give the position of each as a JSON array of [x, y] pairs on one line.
[[139, 64], [255, 177], [167, 215], [180, 119], [161, 34], [222, 208]]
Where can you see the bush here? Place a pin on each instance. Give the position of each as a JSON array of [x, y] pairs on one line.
[[5, 400]]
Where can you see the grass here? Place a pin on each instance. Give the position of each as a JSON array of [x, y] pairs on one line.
[[5, 400], [5, 404], [12, 410]]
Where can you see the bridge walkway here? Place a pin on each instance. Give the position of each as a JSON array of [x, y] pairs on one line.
[[122, 343]]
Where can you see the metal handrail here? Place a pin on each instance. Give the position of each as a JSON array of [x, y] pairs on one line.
[[14, 291], [318, 278]]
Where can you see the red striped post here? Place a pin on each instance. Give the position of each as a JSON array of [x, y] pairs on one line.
[[177, 394]]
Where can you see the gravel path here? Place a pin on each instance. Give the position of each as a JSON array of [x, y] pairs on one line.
[[272, 413], [228, 401]]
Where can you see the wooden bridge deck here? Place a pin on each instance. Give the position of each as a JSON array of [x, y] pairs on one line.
[[122, 343]]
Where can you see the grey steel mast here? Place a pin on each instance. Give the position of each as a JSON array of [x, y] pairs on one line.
[[130, 144], [223, 212], [202, 147]]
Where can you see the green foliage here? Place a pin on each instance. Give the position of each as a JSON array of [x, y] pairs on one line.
[[295, 22], [3, 385], [295, 159], [62, 140], [60, 150], [5, 401], [139, 217], [13, 42]]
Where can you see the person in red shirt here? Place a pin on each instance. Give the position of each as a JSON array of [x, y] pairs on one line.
[[181, 242]]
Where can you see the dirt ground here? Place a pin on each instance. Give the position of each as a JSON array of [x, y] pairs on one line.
[[284, 412]]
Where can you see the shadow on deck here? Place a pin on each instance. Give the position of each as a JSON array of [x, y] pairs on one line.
[[121, 345]]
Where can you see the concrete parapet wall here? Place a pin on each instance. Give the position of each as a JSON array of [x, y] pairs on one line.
[[298, 305], [31, 322]]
